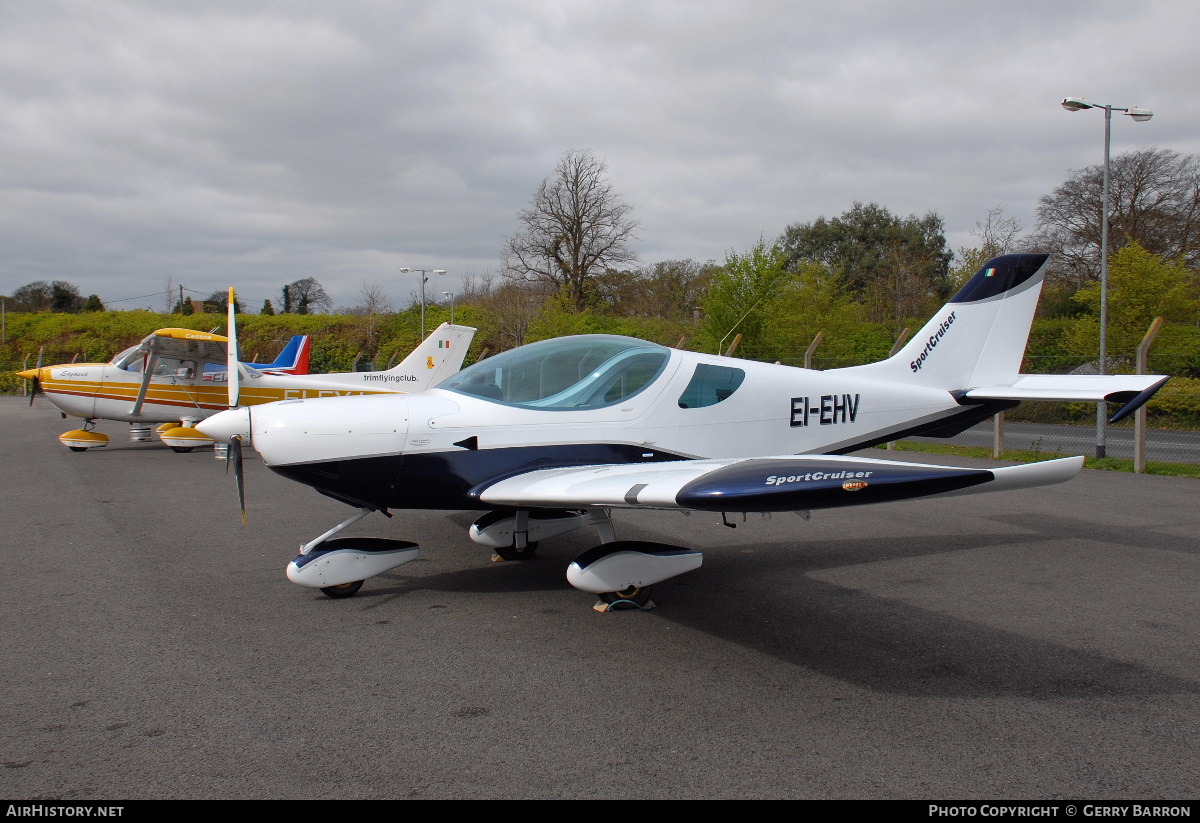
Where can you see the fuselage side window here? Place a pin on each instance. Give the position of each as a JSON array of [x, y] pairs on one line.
[[710, 385]]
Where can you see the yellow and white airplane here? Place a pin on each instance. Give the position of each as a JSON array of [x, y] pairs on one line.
[[163, 380]]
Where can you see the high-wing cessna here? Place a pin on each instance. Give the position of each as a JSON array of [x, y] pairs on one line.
[[551, 435], [181, 376]]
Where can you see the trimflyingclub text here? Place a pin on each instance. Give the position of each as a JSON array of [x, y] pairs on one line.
[[1070, 810], [39, 810]]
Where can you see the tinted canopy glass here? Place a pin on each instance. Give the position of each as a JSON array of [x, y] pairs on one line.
[[585, 372]]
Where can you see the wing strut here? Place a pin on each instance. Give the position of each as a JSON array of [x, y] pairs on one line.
[[148, 368]]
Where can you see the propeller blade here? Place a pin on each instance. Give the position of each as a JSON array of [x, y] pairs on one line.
[[36, 387], [231, 359], [235, 457]]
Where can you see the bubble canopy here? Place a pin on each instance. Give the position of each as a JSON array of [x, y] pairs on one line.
[[585, 372]]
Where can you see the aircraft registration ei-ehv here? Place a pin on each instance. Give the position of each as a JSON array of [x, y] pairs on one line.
[[181, 376], [557, 434]]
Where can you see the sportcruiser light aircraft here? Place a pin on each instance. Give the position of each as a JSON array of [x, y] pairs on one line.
[[551, 435], [181, 376]]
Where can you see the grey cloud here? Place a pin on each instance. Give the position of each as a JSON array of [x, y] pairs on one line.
[[254, 143]]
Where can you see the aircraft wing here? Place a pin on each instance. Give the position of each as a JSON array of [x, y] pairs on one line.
[[188, 344], [761, 484], [179, 344]]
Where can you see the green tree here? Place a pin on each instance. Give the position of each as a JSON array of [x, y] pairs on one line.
[[32, 297], [65, 297], [93, 303], [735, 302], [814, 301], [218, 302], [897, 266], [267, 308], [1141, 286], [673, 289]]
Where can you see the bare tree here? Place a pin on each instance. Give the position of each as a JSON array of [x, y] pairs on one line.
[[675, 288], [998, 231], [1154, 199], [36, 296], [998, 234], [576, 227], [307, 296], [56, 296], [372, 300], [510, 310]]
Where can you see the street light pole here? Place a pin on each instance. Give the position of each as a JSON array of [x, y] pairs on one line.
[[1139, 116], [424, 280], [450, 295]]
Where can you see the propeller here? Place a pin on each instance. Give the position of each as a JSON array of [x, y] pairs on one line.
[[235, 457], [36, 387]]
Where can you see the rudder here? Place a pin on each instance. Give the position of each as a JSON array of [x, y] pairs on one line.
[[976, 339]]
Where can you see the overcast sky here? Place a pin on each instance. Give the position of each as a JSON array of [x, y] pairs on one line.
[[254, 143]]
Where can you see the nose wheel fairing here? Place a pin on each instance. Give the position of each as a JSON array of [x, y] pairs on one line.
[[345, 560]]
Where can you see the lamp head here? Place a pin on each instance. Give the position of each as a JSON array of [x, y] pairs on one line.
[[1076, 104], [1140, 115]]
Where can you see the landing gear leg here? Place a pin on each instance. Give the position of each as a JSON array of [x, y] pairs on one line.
[[522, 548], [602, 520]]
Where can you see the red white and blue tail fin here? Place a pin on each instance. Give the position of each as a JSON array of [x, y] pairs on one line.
[[294, 359]]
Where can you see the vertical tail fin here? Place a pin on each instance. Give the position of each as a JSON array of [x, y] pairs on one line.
[[979, 337], [294, 358], [440, 355]]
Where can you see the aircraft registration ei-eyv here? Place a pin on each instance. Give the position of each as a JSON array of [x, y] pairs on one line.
[[550, 436]]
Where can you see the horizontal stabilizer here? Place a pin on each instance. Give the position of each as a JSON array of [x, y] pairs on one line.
[[1131, 390], [764, 484]]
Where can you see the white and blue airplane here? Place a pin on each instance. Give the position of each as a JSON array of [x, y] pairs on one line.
[[554, 435]]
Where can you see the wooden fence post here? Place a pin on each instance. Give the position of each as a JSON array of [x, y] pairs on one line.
[[1139, 416], [812, 347]]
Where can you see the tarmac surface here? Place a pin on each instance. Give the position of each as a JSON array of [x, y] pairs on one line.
[[1033, 644]]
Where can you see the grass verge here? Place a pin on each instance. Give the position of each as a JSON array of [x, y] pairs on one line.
[[1019, 456]]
